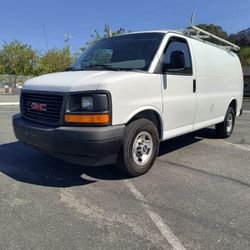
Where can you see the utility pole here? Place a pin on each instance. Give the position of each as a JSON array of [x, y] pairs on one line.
[[67, 39], [45, 38]]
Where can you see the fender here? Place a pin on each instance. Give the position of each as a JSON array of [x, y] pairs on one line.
[[145, 108]]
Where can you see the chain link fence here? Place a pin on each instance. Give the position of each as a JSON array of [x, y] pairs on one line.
[[12, 83]]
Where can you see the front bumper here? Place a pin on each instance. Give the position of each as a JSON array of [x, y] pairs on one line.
[[93, 146]]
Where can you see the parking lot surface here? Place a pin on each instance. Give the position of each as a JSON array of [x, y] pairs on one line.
[[195, 197]]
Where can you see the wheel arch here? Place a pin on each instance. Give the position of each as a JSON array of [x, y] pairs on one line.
[[233, 104], [150, 113]]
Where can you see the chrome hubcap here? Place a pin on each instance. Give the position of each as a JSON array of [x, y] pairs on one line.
[[142, 148], [229, 123]]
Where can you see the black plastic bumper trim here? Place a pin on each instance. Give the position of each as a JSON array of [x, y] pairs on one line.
[[82, 145]]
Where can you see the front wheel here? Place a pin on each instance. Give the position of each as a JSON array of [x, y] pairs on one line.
[[225, 128], [140, 147]]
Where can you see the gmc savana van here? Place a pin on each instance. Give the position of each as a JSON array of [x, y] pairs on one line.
[[127, 93]]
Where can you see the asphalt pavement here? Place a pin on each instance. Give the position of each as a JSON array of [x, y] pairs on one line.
[[195, 197]]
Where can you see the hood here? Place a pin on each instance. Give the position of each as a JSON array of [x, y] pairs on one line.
[[70, 81]]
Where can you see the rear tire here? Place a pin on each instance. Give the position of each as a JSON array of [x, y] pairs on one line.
[[140, 147], [225, 128]]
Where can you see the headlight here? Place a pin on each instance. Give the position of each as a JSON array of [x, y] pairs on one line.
[[88, 108], [87, 103]]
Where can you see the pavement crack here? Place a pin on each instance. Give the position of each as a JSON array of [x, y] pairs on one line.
[[206, 173]]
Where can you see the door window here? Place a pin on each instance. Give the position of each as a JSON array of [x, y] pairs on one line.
[[177, 58]]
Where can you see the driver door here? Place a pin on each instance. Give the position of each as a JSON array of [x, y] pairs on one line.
[[179, 88]]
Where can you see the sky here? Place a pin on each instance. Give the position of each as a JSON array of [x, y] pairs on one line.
[[26, 20]]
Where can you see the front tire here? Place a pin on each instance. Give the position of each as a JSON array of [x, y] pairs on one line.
[[140, 147], [225, 128]]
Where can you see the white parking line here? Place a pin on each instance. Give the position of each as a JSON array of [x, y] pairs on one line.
[[8, 111], [219, 141], [156, 218], [246, 111], [236, 145], [9, 103]]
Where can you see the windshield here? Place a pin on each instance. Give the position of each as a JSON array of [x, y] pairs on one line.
[[127, 52]]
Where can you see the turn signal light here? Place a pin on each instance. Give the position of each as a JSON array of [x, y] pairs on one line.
[[93, 119]]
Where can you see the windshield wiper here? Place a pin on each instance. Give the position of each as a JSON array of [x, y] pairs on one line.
[[101, 66], [72, 69], [137, 70], [104, 66]]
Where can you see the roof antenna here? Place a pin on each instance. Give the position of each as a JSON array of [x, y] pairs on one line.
[[110, 33], [192, 20]]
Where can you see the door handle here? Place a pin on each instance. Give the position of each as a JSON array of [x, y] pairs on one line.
[[194, 86]]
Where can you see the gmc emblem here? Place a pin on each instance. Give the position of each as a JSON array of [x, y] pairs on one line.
[[38, 106]]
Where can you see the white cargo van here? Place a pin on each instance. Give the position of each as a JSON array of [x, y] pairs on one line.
[[127, 93]]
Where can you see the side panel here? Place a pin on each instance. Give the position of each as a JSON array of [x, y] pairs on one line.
[[219, 80]]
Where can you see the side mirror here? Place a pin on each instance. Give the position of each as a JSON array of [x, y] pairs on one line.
[[177, 62]]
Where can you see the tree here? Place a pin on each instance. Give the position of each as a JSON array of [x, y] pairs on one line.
[[106, 33], [1, 65], [54, 60], [243, 38], [233, 38], [17, 58], [244, 56]]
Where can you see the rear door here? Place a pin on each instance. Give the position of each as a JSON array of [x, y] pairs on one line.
[[179, 88]]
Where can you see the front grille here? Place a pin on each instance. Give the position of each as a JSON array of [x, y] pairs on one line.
[[42, 107]]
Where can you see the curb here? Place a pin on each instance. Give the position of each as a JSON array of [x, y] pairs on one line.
[[9, 103]]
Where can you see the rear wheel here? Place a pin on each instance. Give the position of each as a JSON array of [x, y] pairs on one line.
[[140, 147], [225, 128]]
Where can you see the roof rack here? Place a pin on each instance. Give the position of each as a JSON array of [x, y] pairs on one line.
[[202, 34]]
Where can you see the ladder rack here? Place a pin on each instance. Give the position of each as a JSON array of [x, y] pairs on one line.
[[202, 34]]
